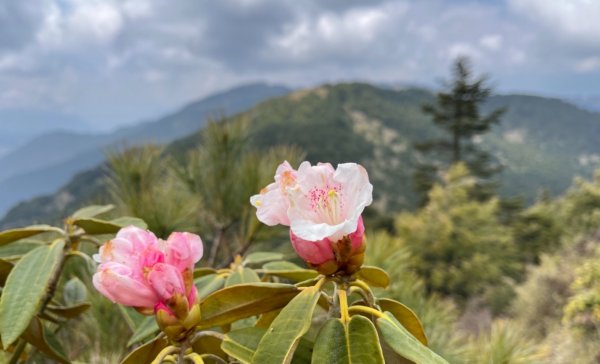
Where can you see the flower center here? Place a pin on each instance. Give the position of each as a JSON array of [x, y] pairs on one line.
[[327, 203]]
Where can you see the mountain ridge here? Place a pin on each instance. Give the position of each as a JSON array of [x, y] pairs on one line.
[[541, 141], [20, 169]]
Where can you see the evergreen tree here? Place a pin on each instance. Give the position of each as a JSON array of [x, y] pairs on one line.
[[456, 111]]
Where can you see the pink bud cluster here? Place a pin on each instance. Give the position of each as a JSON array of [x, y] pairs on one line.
[[137, 269]]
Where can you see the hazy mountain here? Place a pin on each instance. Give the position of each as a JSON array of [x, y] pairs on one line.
[[17, 126], [542, 142], [50, 160]]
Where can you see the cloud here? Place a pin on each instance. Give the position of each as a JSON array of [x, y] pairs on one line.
[[568, 20], [114, 61]]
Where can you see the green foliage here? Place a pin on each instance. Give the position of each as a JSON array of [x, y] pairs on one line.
[[457, 243], [457, 111], [222, 173], [583, 307], [142, 184], [506, 343]]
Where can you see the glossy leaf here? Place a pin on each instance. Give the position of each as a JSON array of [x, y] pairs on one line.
[[124, 221], [8, 236], [44, 340], [69, 311], [147, 328], [242, 275], [404, 343], [209, 284], [147, 352], [201, 272], [244, 300], [278, 344], [17, 250], [374, 276], [209, 344], [95, 226], [265, 320], [91, 211], [241, 344], [289, 271], [26, 288], [262, 257], [331, 344], [354, 343], [364, 342], [405, 316]]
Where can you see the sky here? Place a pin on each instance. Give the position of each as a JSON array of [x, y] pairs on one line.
[[112, 62]]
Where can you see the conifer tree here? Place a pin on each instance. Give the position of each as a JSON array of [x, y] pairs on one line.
[[457, 111]]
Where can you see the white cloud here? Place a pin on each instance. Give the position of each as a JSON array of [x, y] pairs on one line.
[[79, 22], [463, 49], [576, 20], [589, 64], [492, 42]]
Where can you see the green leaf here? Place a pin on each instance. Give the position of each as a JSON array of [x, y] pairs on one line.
[[374, 276], [241, 344], [201, 272], [405, 344], [209, 344], [5, 268], [278, 344], [8, 236], [405, 316], [261, 257], [18, 249], [364, 342], [74, 292], [209, 284], [244, 300], [91, 211], [69, 311], [354, 343], [331, 344], [289, 271], [44, 340], [147, 352], [147, 328], [242, 275], [95, 226], [26, 288], [124, 221]]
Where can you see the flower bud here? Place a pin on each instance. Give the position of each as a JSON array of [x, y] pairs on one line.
[[329, 257]]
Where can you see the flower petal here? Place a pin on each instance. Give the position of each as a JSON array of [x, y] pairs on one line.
[[183, 250], [116, 282]]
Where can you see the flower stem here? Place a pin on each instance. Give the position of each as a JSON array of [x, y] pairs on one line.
[[164, 353], [365, 309], [343, 297]]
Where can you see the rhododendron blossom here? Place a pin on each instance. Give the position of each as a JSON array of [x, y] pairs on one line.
[[137, 269], [322, 206]]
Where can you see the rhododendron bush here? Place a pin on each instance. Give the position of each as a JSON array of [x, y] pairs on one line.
[[259, 309]]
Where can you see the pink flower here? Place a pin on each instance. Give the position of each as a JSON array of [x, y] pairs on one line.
[[137, 269], [322, 206], [272, 202]]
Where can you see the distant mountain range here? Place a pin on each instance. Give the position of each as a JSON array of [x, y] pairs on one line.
[[17, 126], [542, 143], [49, 160]]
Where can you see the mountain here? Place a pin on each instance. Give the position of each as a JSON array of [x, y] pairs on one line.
[[17, 126], [542, 142], [50, 160]]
